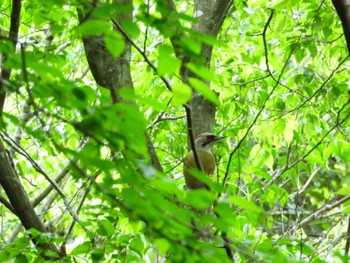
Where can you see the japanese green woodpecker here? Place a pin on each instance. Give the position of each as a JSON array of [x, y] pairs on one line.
[[204, 142]]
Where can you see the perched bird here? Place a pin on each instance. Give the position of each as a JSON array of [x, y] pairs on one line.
[[204, 142]]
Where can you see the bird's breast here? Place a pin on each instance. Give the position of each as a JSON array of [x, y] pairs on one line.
[[206, 158]]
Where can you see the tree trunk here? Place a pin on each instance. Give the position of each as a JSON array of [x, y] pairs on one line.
[[111, 73], [203, 111], [210, 15], [19, 199]]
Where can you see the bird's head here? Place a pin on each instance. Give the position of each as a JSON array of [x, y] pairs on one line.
[[205, 141]]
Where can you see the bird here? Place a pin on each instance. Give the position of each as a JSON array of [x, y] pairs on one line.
[[203, 143]]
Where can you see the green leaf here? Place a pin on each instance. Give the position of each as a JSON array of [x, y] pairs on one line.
[[255, 151], [111, 10], [105, 11], [93, 28], [167, 63], [200, 199], [244, 203], [106, 228], [205, 90], [190, 44], [201, 71], [127, 94], [115, 43], [79, 93], [181, 93], [267, 246], [97, 254], [131, 28], [137, 245], [280, 105], [163, 245], [4, 256], [21, 259], [83, 248], [343, 191]]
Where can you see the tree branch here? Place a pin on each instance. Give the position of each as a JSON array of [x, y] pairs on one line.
[[191, 137], [19, 199], [343, 10], [22, 152], [347, 245], [13, 36], [319, 213]]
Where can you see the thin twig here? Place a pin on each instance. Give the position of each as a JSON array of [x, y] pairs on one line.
[[319, 213], [143, 54], [347, 245], [306, 185], [262, 107]]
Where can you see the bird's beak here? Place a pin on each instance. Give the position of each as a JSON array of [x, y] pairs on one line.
[[217, 138]]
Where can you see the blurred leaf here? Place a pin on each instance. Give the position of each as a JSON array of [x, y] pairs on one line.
[[111, 10], [200, 71], [344, 191], [181, 94], [245, 204], [137, 245], [81, 249], [200, 199], [163, 245], [130, 27], [93, 28], [167, 63], [204, 90], [21, 259], [115, 43], [106, 228], [190, 45], [97, 254]]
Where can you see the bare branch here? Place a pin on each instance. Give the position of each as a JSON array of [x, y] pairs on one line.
[[343, 10], [347, 245], [7, 204], [13, 36], [161, 117], [191, 137], [307, 183], [318, 214]]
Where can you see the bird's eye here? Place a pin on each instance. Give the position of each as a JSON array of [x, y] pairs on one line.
[[211, 137]]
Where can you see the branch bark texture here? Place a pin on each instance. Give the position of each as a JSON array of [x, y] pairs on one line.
[[13, 36], [343, 10], [210, 15], [112, 73], [19, 199]]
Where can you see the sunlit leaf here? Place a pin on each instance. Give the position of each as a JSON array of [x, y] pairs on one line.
[[181, 93], [200, 199], [205, 90], [93, 28], [344, 191], [245, 204], [81, 249], [115, 43], [167, 63], [131, 28], [200, 71]]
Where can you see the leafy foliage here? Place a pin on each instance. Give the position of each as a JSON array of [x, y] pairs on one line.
[[279, 79]]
